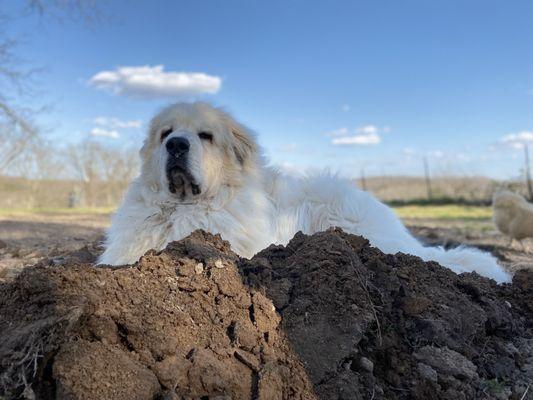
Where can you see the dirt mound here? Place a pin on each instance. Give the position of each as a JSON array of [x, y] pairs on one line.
[[326, 317]]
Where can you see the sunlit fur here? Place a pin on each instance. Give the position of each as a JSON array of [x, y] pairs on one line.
[[250, 204], [513, 215]]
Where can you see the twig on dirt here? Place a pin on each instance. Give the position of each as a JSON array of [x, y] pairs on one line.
[[524, 395], [365, 288], [397, 389]]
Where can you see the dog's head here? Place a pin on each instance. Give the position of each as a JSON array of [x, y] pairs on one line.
[[192, 149], [504, 199]]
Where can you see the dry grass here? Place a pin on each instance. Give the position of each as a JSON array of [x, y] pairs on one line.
[[21, 193], [457, 189]]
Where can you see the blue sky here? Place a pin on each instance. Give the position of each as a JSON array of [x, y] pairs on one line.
[[343, 85]]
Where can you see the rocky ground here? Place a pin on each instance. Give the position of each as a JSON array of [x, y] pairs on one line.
[[326, 317]]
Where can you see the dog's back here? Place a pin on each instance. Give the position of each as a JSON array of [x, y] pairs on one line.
[[513, 215]]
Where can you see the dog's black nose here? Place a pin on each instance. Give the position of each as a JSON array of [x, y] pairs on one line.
[[177, 146]]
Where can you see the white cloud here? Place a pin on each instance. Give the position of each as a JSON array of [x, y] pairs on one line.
[[361, 136], [101, 132], [363, 130], [154, 82], [518, 140], [364, 139], [345, 108], [116, 123]]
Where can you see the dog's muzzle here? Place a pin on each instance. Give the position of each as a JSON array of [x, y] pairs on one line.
[[180, 180]]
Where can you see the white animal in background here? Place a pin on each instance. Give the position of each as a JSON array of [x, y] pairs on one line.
[[513, 215], [201, 169]]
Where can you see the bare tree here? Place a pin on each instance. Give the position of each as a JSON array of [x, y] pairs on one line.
[[102, 173], [86, 10], [17, 129]]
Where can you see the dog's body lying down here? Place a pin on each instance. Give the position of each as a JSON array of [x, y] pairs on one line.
[[202, 170], [513, 215]]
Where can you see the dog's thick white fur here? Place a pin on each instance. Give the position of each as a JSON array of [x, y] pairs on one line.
[[513, 215], [219, 182]]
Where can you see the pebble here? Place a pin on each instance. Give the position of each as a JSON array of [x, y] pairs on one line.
[[199, 268], [427, 372], [366, 364]]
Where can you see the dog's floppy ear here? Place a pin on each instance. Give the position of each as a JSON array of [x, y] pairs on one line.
[[244, 145]]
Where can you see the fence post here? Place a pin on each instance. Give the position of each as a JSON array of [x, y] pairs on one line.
[[428, 179], [528, 173]]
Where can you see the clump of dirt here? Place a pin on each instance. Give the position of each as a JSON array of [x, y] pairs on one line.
[[325, 317], [179, 324], [373, 326]]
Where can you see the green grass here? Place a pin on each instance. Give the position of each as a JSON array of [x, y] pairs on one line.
[[445, 212], [440, 212]]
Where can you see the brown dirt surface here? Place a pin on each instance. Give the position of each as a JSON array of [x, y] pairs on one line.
[[29, 237], [179, 324], [325, 317]]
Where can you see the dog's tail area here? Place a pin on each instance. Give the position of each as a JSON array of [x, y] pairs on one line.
[[463, 259], [379, 224]]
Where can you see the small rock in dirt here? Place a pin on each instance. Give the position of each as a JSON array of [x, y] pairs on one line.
[[366, 364], [58, 261], [199, 268], [427, 372], [219, 264], [447, 361]]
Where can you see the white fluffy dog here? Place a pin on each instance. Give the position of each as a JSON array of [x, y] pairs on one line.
[[201, 169], [513, 215]]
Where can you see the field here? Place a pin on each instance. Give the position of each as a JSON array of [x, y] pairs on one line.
[[28, 236]]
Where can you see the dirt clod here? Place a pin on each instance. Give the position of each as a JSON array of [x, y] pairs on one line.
[[325, 317]]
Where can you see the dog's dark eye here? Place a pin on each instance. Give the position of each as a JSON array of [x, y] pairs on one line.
[[205, 136], [165, 133]]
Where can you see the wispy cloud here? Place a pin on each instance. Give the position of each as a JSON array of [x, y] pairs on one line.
[[150, 82], [101, 132], [364, 139], [115, 123], [517, 140], [345, 108], [366, 135]]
